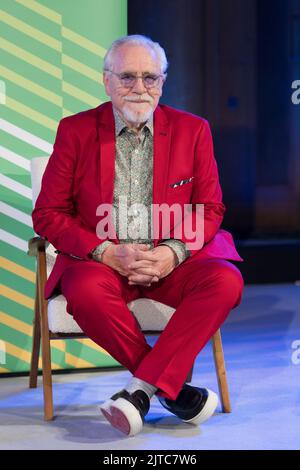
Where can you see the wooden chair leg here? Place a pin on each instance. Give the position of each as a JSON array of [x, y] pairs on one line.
[[46, 350], [36, 341], [221, 372], [190, 375]]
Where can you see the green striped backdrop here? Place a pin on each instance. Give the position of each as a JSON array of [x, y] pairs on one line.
[[51, 54]]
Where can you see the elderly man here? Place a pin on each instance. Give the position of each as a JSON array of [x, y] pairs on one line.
[[133, 149]]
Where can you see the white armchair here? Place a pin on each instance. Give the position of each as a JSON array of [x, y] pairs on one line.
[[52, 321]]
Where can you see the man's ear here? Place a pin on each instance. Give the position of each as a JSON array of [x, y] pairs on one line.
[[106, 83]]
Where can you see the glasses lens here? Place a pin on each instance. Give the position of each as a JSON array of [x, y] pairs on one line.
[[128, 80], [150, 80]]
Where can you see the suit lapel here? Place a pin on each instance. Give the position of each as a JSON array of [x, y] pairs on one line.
[[161, 152], [161, 157], [107, 149], [106, 127]]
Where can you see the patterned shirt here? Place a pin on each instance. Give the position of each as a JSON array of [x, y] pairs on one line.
[[133, 186]]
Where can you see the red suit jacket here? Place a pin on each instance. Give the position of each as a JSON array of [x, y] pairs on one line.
[[80, 176]]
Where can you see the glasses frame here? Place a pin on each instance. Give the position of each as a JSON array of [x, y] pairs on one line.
[[161, 75]]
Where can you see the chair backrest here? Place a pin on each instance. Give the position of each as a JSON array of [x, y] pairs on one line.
[[37, 168]]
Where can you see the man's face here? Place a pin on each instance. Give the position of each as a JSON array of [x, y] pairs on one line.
[[135, 104]]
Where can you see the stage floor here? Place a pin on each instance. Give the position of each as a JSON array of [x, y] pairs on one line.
[[263, 367]]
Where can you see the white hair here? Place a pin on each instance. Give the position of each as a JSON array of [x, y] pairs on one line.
[[136, 40]]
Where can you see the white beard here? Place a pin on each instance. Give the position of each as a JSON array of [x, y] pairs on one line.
[[135, 116]]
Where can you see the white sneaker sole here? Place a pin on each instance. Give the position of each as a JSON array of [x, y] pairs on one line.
[[207, 411], [123, 416]]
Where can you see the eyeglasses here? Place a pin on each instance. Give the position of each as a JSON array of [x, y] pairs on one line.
[[128, 80]]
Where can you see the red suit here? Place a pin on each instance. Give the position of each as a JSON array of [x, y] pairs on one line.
[[203, 289]]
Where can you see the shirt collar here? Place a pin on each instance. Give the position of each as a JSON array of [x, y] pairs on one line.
[[120, 124]]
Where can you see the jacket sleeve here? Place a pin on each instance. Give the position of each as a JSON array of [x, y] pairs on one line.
[[54, 215], [207, 194], [180, 249]]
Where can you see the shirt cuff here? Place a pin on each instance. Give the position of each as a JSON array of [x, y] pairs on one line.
[[180, 249], [97, 252]]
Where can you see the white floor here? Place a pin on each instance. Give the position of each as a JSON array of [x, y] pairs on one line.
[[264, 377]]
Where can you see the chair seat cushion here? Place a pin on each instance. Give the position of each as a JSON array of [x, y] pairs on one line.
[[150, 314]]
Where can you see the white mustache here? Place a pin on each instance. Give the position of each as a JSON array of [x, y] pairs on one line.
[[137, 100]]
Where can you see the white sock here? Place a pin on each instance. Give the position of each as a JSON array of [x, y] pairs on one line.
[[138, 384]]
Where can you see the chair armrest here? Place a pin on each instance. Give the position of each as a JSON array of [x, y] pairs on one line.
[[37, 247], [36, 244]]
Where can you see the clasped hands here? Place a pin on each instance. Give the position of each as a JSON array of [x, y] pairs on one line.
[[140, 264]]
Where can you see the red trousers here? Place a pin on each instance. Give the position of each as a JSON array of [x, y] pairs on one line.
[[202, 291]]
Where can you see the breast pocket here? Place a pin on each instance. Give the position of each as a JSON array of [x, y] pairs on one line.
[[180, 183], [180, 191]]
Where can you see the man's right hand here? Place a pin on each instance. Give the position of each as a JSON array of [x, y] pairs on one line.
[[119, 256]]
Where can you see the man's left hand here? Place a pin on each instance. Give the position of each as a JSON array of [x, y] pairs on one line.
[[161, 258]]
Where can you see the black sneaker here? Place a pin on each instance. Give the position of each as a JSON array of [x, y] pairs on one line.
[[126, 411], [193, 405]]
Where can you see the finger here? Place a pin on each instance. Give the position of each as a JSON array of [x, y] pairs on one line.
[[126, 249], [145, 263], [145, 271], [139, 284], [146, 255], [154, 279], [140, 278], [141, 246]]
